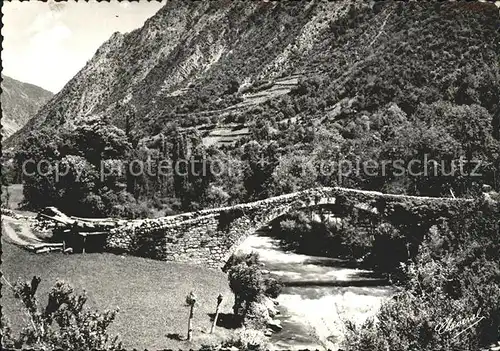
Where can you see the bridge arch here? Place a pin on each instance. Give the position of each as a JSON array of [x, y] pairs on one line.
[[210, 236]]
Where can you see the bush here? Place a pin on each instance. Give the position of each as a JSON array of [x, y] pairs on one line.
[[305, 235], [273, 287], [249, 259], [124, 205], [415, 323], [248, 284], [245, 340], [451, 297], [62, 324]]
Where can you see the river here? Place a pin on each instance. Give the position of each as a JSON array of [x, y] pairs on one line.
[[312, 306]]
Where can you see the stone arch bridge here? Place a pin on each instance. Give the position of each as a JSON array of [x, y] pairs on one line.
[[210, 236]]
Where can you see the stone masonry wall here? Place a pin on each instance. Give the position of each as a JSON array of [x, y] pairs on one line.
[[209, 237]]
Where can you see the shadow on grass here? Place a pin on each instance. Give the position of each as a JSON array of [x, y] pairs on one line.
[[175, 336], [226, 320]]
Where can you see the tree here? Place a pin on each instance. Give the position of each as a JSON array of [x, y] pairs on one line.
[[77, 170], [179, 166], [199, 174], [80, 180], [97, 140], [260, 162], [248, 284], [233, 87], [64, 323], [471, 125], [191, 170]]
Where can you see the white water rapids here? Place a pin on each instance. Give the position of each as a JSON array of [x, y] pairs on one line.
[[312, 309]]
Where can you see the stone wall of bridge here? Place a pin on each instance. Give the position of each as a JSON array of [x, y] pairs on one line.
[[209, 237]]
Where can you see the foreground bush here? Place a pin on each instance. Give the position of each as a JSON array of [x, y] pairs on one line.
[[244, 340], [62, 324], [451, 298]]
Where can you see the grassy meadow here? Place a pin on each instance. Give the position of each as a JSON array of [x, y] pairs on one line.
[[150, 294]]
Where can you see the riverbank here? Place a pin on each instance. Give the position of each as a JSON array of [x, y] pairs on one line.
[[314, 310]]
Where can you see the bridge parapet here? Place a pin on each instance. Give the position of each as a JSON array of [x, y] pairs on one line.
[[209, 236]]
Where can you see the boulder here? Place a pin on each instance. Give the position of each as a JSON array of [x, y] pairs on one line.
[[271, 307], [257, 315], [274, 325]]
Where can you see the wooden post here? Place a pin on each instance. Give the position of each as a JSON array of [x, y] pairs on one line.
[[191, 301], [190, 327], [84, 242], [219, 300], [64, 246]]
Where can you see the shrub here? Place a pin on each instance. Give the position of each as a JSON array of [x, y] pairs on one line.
[[273, 287], [249, 285], [62, 324], [124, 205], [249, 259], [388, 238], [451, 297], [246, 282], [305, 235], [245, 340], [7, 340]]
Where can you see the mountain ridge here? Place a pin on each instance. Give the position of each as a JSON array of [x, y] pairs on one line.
[[20, 102], [234, 72], [198, 37]]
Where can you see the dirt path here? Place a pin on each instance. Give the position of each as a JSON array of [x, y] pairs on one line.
[[19, 231]]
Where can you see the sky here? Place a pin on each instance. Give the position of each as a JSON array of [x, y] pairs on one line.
[[47, 43]]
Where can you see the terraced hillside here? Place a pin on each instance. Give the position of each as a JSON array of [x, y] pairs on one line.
[[190, 57]]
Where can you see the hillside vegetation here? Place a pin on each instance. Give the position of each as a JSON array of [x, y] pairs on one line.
[[284, 96]]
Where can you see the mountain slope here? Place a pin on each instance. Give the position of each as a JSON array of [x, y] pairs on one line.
[[203, 59], [224, 67], [20, 102], [190, 46], [303, 87]]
